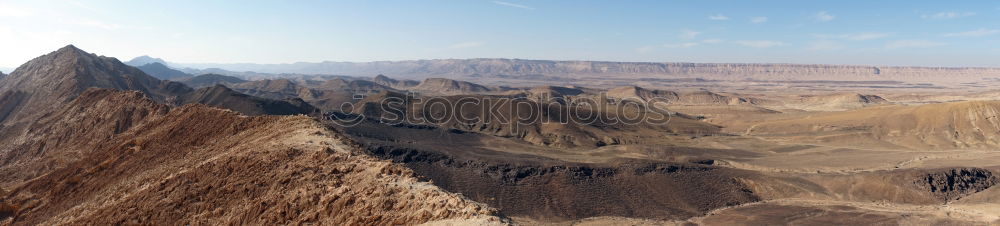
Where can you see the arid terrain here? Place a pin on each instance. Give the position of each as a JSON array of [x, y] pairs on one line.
[[90, 140]]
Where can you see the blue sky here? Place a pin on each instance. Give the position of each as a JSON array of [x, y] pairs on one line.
[[925, 33]]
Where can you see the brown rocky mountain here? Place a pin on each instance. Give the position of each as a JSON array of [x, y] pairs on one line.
[[118, 152], [52, 80], [139, 162]]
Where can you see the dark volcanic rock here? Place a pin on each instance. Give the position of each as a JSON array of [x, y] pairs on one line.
[[555, 190], [953, 184]]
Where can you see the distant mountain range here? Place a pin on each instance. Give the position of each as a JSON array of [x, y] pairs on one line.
[[561, 70]]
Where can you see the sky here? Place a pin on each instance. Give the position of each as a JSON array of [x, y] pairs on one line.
[[915, 33]]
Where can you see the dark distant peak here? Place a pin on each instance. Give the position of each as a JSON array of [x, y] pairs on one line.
[[144, 60]]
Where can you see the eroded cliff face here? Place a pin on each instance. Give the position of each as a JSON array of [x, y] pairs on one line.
[[201, 165]]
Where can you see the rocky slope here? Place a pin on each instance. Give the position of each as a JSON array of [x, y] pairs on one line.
[[144, 163], [72, 131]]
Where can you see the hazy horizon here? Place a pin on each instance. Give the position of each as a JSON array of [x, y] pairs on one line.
[[891, 33]]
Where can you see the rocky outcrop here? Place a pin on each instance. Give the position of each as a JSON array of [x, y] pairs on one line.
[[952, 184]]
